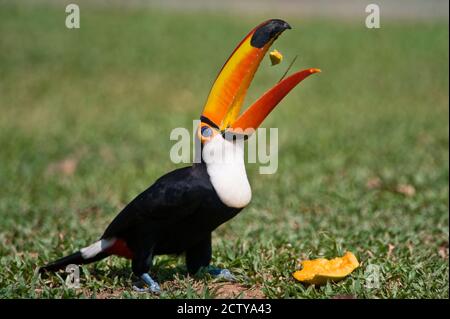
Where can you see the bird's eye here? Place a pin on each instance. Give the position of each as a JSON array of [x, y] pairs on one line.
[[206, 131]]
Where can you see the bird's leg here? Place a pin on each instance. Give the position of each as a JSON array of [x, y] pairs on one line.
[[152, 286], [220, 273], [141, 265], [199, 257]]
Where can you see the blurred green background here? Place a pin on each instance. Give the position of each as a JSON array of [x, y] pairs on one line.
[[86, 114]]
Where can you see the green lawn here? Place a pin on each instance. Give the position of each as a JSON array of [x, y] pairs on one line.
[[363, 159]]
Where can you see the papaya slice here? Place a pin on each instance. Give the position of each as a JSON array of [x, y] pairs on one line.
[[275, 57], [319, 271]]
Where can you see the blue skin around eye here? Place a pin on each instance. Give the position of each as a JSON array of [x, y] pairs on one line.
[[206, 131]]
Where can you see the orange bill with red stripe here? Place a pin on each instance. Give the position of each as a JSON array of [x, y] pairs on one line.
[[228, 91]]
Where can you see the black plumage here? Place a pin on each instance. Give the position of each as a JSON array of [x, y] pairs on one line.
[[176, 214]]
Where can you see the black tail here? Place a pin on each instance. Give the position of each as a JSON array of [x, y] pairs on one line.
[[75, 258]]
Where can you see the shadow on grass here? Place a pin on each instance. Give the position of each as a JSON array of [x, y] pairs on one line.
[[163, 270]]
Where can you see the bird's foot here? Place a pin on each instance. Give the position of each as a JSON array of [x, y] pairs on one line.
[[152, 286], [221, 273]]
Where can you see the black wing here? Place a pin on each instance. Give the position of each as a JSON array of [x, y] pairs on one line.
[[171, 198]]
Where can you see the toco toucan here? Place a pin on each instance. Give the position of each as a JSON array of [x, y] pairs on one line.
[[179, 211]]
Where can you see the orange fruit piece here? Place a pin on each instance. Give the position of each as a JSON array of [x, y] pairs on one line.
[[321, 270], [275, 57]]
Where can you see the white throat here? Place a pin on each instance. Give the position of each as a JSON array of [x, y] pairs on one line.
[[226, 169]]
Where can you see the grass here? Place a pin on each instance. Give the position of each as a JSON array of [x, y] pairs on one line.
[[363, 149]]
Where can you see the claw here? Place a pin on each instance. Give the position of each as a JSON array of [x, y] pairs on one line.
[[221, 273], [139, 289], [152, 286]]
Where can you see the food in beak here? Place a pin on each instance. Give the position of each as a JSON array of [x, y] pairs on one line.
[[275, 57], [227, 94]]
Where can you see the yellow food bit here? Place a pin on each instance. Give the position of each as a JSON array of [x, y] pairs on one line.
[[321, 270], [275, 57]]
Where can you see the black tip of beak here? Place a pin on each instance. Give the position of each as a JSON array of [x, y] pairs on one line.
[[268, 31]]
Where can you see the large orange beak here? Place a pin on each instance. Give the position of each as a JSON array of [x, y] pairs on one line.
[[228, 91]]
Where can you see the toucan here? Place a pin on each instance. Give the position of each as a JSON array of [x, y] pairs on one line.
[[180, 210]]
